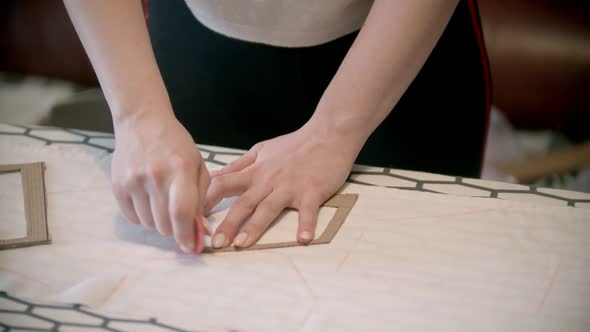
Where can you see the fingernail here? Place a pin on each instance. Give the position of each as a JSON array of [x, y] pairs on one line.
[[240, 239], [218, 240], [306, 236], [188, 247], [206, 225]]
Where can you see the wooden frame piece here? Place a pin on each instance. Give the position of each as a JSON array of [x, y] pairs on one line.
[[554, 162], [343, 204], [34, 198]]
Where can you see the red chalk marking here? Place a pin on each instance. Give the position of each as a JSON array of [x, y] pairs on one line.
[[549, 286], [302, 277], [345, 258], [115, 289]]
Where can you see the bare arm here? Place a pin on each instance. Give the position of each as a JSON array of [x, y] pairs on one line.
[[159, 178], [115, 36], [389, 51]]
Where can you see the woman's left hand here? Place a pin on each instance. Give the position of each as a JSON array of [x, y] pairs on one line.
[[300, 170]]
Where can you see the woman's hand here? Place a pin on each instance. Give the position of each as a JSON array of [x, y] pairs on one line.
[[159, 178], [300, 170]]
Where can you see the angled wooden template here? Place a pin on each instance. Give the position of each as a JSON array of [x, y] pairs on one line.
[[343, 204], [34, 198]]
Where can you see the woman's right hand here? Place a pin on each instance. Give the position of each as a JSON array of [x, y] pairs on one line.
[[159, 178]]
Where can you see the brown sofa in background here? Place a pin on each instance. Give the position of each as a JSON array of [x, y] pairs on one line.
[[539, 53]]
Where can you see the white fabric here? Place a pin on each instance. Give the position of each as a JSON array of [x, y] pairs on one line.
[[12, 204], [404, 260], [289, 23]]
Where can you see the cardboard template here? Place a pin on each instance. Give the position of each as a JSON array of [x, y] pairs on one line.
[[34, 199], [343, 204]]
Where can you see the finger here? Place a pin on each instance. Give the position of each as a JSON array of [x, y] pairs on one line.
[[266, 212], [237, 165], [203, 186], [126, 206], [141, 203], [206, 226], [183, 207], [159, 207], [308, 217], [202, 227], [228, 185], [200, 230], [237, 214]]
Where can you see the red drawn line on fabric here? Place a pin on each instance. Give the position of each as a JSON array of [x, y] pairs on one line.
[[549, 287], [115, 289], [302, 277], [345, 258]]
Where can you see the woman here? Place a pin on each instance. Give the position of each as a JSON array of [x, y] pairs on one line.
[[311, 84]]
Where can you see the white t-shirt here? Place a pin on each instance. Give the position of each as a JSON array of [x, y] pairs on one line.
[[288, 23]]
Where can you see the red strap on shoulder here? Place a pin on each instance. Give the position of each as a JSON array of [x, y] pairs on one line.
[[486, 68], [146, 8]]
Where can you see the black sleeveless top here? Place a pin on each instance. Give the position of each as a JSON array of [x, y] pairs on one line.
[[233, 93]]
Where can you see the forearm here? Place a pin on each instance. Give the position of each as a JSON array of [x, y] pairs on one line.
[[115, 37], [388, 53]]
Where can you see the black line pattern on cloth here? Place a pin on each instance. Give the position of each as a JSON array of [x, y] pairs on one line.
[[32, 315], [37, 317], [105, 142]]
